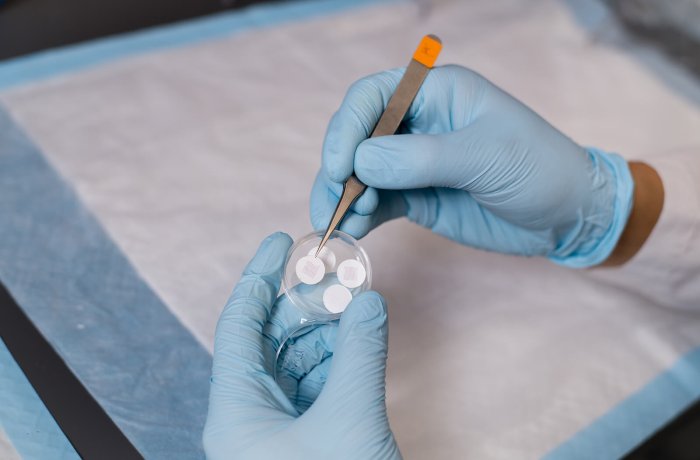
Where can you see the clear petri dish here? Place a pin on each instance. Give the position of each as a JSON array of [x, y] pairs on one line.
[[309, 296], [291, 360]]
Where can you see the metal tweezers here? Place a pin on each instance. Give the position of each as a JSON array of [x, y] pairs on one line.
[[399, 103]]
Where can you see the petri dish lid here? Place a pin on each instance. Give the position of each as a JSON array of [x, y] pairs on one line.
[[309, 298]]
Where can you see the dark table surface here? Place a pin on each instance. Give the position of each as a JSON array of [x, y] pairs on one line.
[[33, 25], [27, 26]]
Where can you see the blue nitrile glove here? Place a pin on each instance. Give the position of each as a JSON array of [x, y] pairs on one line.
[[338, 370], [477, 166]]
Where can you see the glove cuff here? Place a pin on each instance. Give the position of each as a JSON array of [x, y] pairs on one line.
[[599, 227]]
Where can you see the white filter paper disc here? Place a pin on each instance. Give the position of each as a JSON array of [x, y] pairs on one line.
[[351, 273], [326, 255], [310, 269], [336, 298]]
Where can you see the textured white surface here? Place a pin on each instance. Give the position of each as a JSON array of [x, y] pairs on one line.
[[189, 158]]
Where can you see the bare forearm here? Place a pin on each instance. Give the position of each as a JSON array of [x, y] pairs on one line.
[[648, 202]]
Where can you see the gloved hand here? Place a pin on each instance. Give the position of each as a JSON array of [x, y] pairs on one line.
[[341, 370], [475, 165]]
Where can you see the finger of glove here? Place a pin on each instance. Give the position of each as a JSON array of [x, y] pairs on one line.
[[311, 384], [325, 190], [391, 205], [410, 161], [240, 375], [356, 381], [301, 355], [284, 318], [355, 120], [306, 351]]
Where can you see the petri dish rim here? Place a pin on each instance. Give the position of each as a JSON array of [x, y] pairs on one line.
[[287, 287]]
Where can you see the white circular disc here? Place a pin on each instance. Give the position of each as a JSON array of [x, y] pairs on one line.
[[351, 273], [326, 255], [310, 269], [336, 298]]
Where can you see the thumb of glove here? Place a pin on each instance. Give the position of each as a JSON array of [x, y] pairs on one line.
[[410, 161], [355, 389], [352, 404]]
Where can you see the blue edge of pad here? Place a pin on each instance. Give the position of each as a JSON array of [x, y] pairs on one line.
[[103, 315], [141, 365], [25, 419]]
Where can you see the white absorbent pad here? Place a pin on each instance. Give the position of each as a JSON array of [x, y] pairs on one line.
[[190, 154]]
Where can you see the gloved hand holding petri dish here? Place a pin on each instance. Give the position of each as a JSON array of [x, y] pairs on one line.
[[322, 287]]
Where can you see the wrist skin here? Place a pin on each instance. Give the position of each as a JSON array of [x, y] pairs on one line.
[[648, 202]]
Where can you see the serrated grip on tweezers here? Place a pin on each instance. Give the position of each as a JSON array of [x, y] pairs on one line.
[[394, 113]]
